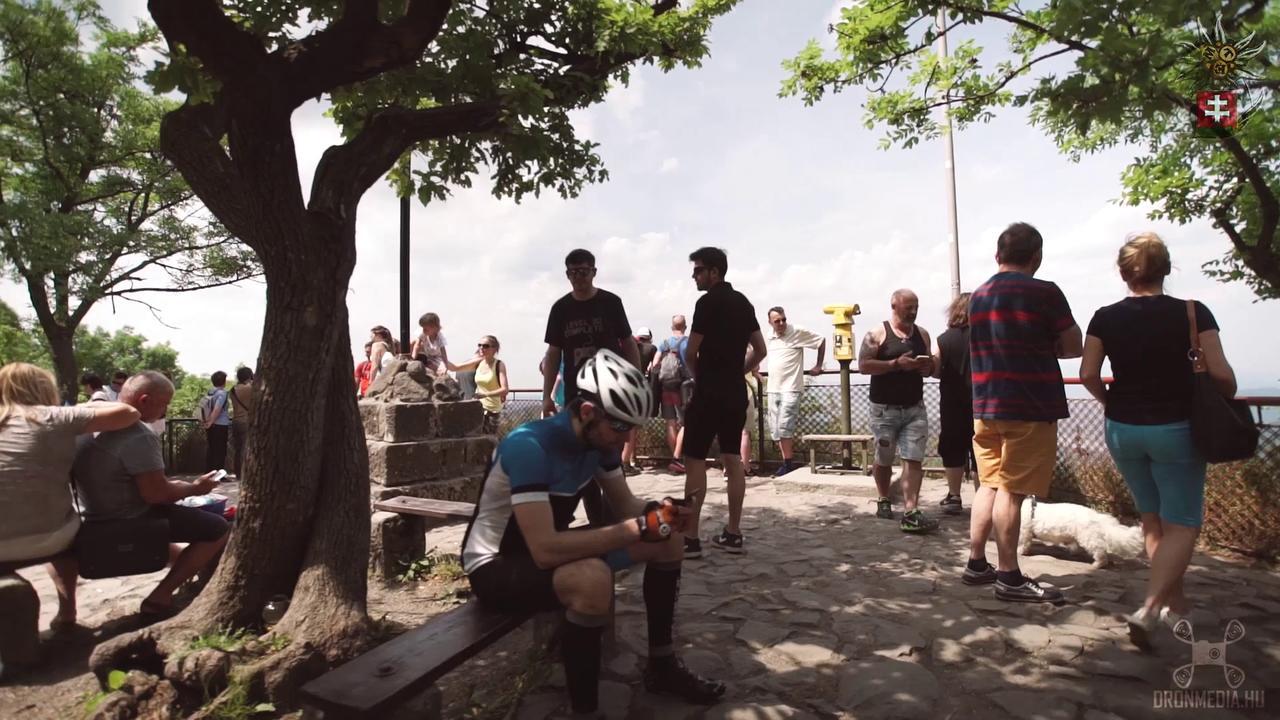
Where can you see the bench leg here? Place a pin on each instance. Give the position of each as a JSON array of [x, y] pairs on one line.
[[395, 541], [813, 459]]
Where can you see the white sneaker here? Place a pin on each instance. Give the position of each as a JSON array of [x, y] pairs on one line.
[[1169, 617], [1142, 623]]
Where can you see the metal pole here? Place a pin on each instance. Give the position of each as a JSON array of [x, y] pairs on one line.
[[950, 166], [404, 274], [846, 420], [759, 425]]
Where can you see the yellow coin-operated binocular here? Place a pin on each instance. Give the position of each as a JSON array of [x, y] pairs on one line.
[[842, 319]]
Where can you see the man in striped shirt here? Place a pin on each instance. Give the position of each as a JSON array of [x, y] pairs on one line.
[[1019, 328]]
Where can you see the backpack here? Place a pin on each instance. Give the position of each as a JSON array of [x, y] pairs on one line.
[[671, 369], [207, 405]]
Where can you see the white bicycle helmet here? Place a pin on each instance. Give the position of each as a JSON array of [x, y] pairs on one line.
[[617, 385]]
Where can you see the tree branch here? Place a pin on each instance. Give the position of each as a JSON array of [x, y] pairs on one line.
[[1025, 23], [190, 137], [346, 171], [226, 51], [358, 47]]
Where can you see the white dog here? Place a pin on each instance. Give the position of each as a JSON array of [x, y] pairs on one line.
[[1076, 526]]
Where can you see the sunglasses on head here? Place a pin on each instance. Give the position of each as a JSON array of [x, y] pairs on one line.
[[579, 272]]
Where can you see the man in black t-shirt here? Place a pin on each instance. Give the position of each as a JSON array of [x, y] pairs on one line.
[[724, 322], [582, 322]]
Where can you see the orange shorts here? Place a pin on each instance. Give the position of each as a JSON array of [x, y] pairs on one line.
[[1016, 455]]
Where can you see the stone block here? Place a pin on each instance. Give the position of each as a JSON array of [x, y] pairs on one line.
[[480, 449], [399, 422], [19, 622], [396, 540], [393, 464], [465, 488], [460, 419]]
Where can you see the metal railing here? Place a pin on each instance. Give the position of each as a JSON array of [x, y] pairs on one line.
[[1240, 497]]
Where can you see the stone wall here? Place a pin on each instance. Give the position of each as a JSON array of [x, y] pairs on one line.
[[423, 441]]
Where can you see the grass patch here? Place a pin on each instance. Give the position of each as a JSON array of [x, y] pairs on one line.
[[115, 681], [234, 703], [445, 567]]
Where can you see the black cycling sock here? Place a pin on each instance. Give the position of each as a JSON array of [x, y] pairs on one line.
[[580, 650], [978, 564], [1010, 577], [661, 586]]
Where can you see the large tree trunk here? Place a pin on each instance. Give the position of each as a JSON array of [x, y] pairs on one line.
[[302, 527], [65, 367]]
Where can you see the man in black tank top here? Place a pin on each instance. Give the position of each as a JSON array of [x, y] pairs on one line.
[[896, 356]]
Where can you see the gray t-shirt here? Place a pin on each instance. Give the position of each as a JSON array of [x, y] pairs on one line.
[[105, 469], [37, 445]]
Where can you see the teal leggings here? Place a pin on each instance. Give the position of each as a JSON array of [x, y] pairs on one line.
[[1163, 469]]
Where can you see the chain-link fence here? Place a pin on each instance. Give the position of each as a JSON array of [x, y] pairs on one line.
[[1240, 498]]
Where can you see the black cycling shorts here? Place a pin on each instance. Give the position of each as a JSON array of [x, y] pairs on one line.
[[955, 442], [715, 414]]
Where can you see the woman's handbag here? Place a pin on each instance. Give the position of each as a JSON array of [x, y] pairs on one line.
[[1221, 428]]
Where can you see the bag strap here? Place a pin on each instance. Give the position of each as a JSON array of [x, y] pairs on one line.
[[235, 397], [1195, 354]]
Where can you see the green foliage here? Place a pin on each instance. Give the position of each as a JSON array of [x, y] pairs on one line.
[[1092, 76], [235, 703], [444, 567], [19, 342], [115, 681], [90, 209], [533, 61], [224, 639]]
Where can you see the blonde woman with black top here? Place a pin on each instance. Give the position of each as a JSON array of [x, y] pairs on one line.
[[1146, 336]]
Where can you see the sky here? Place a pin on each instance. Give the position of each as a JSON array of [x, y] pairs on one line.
[[809, 210]]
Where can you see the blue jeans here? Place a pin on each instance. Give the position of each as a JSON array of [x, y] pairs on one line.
[[1163, 469]]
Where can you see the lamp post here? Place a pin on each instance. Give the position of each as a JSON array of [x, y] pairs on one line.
[[404, 274], [949, 165]]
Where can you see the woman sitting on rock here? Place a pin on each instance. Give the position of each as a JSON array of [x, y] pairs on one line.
[[37, 446]]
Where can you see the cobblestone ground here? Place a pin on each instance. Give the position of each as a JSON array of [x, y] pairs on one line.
[[832, 612]]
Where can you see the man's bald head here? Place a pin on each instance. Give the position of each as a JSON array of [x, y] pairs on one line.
[[149, 392], [905, 305], [678, 323]]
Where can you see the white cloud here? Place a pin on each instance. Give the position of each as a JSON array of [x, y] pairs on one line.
[[809, 211]]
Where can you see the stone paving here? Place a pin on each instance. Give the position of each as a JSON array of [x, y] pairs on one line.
[[833, 613]]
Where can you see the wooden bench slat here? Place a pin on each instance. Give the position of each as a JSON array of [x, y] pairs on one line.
[[395, 671], [406, 505], [836, 438]]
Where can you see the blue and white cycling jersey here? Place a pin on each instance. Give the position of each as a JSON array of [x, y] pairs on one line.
[[540, 461]]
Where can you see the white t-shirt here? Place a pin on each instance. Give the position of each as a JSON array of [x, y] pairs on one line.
[[786, 358], [431, 349]]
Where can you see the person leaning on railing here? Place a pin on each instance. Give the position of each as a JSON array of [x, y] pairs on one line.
[[37, 447], [1148, 406]]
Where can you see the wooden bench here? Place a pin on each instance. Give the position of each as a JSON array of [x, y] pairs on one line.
[[423, 507], [397, 679], [847, 442]]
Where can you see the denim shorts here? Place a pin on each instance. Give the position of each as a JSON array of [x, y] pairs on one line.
[[1163, 469], [902, 428], [782, 414]]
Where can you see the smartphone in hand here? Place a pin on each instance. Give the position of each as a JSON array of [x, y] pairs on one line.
[[219, 476]]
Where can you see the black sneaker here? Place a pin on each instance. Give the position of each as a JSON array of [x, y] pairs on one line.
[[728, 542], [884, 508], [951, 505], [1028, 591], [673, 678], [784, 468], [985, 576], [692, 548], [914, 521]]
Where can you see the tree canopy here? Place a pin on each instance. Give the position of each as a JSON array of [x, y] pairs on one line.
[[1093, 76], [89, 207]]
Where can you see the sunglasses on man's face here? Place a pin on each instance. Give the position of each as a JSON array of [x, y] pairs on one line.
[[699, 269], [618, 426], [483, 346], [579, 272], [779, 320]]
